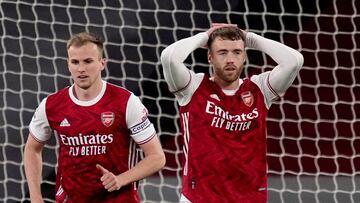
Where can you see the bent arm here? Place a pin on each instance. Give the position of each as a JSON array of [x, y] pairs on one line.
[[144, 134], [176, 73], [289, 61], [33, 167], [154, 160]]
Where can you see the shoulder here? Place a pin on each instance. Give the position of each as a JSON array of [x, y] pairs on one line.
[[122, 96], [260, 79], [112, 88], [117, 94], [60, 92], [184, 97], [59, 96], [262, 82]]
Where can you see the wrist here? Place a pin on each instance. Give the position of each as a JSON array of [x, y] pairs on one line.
[[37, 199]]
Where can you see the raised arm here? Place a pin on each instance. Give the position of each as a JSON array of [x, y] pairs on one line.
[[182, 81], [176, 73], [289, 61]]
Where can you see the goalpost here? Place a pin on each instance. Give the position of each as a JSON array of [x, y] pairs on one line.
[[313, 132]]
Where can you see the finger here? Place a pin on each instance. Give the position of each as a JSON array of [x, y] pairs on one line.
[[113, 188], [223, 25], [226, 25], [106, 179], [109, 185], [215, 24], [102, 169]]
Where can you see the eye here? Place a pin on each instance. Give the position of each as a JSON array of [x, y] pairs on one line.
[[75, 62], [237, 52], [88, 61]]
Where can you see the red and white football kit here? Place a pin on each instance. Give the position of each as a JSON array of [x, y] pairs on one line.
[[102, 131], [224, 144], [224, 131]]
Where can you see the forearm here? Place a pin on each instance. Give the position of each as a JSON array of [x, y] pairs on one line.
[[153, 161], [172, 58], [289, 60], [146, 167], [33, 171]]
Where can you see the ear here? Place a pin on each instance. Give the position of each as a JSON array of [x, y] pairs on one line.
[[103, 63], [209, 57]]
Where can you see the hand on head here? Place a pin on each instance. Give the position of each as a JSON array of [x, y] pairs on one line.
[[215, 26]]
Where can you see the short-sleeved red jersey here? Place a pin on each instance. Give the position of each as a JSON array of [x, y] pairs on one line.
[[90, 135], [225, 145]]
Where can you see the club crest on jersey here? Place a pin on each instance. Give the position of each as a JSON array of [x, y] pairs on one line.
[[248, 98], [107, 118]]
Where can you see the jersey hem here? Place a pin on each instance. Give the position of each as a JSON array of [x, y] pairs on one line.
[[37, 139], [184, 88], [277, 96], [146, 140]]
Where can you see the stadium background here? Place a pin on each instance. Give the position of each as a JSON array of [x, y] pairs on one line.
[[313, 142]]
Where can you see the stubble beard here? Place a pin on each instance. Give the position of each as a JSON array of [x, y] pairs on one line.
[[230, 77]]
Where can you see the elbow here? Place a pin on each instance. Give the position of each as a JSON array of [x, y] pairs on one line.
[[295, 61], [161, 161], [165, 57], [169, 58], [299, 60]]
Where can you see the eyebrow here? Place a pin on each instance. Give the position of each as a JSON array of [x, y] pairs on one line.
[[221, 50]]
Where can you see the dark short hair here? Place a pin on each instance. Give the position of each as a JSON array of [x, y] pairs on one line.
[[227, 33], [82, 38]]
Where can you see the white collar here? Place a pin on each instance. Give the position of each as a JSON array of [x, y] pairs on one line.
[[90, 102]]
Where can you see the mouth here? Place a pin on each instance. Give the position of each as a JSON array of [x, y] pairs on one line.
[[230, 68], [82, 77]]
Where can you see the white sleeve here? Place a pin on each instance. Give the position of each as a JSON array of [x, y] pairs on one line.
[[277, 81], [142, 130], [39, 125], [182, 81]]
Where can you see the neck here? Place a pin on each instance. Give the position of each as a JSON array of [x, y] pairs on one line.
[[89, 93], [227, 85]]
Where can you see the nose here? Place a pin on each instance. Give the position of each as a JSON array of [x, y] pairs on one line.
[[81, 67], [230, 58]]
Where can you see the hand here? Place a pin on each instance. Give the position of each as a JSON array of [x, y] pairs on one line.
[[215, 26], [40, 200], [110, 181]]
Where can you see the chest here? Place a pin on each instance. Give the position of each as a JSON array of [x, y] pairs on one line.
[[71, 119]]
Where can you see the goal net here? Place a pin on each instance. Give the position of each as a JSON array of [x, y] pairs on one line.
[[313, 142]]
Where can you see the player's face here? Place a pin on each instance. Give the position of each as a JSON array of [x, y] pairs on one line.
[[85, 65], [227, 58]]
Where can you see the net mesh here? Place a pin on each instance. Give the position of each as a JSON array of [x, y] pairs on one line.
[[313, 147]]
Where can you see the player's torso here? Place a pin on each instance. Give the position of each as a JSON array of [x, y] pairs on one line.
[[224, 143], [90, 135]]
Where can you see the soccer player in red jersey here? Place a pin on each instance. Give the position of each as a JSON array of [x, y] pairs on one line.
[[99, 126], [223, 117]]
